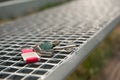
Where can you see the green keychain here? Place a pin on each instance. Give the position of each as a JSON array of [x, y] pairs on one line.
[[46, 46]]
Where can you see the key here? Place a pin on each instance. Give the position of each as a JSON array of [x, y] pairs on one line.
[[47, 48], [68, 50], [46, 54], [64, 47], [55, 43]]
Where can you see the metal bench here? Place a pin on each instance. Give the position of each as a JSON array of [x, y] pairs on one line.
[[85, 22]]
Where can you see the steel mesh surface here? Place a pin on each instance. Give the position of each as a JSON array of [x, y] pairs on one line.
[[78, 22]]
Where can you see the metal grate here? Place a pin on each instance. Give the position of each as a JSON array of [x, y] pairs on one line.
[[82, 22]]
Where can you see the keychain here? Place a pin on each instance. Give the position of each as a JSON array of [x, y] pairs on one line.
[[29, 55], [46, 48]]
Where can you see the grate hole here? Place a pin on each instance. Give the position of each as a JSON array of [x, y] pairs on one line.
[[48, 56], [72, 39], [50, 38], [55, 36], [43, 60], [62, 44], [17, 50], [33, 65], [18, 40], [1, 68], [9, 40], [63, 52], [11, 54], [78, 34], [16, 58], [82, 39], [31, 78], [15, 46], [1, 49], [65, 36], [7, 63], [8, 49], [27, 40], [89, 34], [4, 58], [22, 43], [15, 77], [3, 75], [36, 41], [56, 52], [11, 70], [47, 66], [25, 46], [74, 36], [77, 45], [31, 38], [1, 61], [3, 53], [6, 46], [40, 72], [25, 71], [65, 42], [61, 39], [12, 43], [19, 54], [2, 39], [30, 44], [54, 61], [78, 42], [20, 64], [60, 56], [3, 42], [85, 36]]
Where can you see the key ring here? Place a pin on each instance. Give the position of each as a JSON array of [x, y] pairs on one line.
[[46, 49]]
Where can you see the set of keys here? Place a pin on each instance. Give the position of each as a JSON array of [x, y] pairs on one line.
[[45, 48]]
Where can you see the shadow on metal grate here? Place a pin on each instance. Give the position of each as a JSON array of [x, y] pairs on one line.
[[82, 22]]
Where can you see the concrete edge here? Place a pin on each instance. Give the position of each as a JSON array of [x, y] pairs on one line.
[[15, 8]]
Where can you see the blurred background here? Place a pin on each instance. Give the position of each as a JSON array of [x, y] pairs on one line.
[[101, 64]]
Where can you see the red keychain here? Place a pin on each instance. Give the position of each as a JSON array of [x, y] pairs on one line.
[[29, 55]]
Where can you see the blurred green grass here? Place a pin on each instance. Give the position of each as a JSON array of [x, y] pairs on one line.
[[91, 68]]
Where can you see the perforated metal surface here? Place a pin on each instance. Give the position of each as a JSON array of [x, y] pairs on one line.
[[84, 22]]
